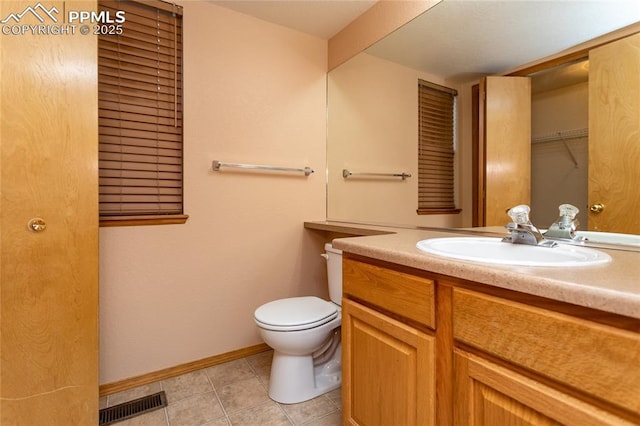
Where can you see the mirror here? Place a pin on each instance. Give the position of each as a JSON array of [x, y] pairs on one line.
[[559, 141], [372, 98]]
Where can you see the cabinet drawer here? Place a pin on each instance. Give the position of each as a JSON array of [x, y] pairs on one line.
[[600, 360], [403, 294], [516, 399]]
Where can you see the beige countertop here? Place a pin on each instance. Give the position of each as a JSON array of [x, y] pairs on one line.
[[614, 287]]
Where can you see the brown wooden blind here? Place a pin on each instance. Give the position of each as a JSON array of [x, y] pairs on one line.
[[435, 148], [140, 111]]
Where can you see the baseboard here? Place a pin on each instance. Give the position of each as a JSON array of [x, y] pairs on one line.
[[145, 379]]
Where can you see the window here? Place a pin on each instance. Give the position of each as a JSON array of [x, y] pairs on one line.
[[436, 148], [140, 115]]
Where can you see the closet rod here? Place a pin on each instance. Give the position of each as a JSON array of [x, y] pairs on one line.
[[561, 135], [218, 164]]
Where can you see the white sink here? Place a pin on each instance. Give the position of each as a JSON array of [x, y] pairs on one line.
[[610, 237], [494, 251]]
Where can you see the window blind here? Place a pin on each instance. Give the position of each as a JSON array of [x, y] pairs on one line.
[[140, 111], [436, 110]]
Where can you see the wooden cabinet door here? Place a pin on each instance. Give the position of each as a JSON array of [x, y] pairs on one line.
[[487, 394], [614, 136], [504, 162], [388, 370], [48, 279]]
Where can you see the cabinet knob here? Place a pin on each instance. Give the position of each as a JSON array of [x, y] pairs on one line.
[[37, 224], [597, 208]]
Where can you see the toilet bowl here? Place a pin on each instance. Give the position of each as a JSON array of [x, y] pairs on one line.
[[304, 333]]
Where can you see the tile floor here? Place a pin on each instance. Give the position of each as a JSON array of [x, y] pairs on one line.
[[233, 393]]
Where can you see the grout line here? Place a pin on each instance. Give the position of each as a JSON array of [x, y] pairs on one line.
[[285, 413], [166, 411], [215, 391], [166, 415], [190, 395], [319, 418]]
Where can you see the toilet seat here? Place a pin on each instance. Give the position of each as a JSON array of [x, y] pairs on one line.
[[295, 313]]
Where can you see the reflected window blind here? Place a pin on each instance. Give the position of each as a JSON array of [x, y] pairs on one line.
[[140, 111], [436, 149]]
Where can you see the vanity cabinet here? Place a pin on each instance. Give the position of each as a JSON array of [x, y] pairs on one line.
[[422, 348], [388, 349]]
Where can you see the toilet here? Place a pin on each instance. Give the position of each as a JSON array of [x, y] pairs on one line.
[[304, 333]]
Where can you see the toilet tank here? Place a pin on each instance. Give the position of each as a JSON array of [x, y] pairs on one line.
[[334, 273]]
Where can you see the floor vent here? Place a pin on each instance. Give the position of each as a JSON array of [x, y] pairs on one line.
[[133, 408]]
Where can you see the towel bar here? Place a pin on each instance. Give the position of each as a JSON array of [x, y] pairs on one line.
[[218, 164], [346, 173]]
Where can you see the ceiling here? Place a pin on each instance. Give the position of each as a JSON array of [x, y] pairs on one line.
[[460, 40], [321, 18]]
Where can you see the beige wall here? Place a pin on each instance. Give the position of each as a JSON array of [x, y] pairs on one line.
[[373, 127], [254, 93]]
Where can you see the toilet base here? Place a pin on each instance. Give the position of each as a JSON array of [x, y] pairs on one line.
[[295, 379]]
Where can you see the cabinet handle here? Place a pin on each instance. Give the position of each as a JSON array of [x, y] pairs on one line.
[[597, 208]]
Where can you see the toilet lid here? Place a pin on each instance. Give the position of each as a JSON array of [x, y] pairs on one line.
[[296, 313]]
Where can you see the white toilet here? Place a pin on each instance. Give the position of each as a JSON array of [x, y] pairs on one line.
[[304, 333]]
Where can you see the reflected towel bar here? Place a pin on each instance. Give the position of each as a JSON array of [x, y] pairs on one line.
[[218, 164], [346, 173]]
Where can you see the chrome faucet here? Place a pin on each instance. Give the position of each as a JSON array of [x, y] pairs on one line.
[[522, 231], [566, 225]]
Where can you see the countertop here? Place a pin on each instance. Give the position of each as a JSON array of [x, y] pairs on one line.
[[613, 287]]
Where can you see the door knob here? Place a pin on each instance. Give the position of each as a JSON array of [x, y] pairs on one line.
[[37, 224], [597, 208]]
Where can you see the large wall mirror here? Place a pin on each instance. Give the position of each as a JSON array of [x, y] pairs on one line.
[[373, 118]]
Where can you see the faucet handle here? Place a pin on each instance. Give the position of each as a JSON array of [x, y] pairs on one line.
[[568, 210], [566, 225], [520, 214]]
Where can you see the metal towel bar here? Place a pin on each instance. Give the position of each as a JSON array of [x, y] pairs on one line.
[[346, 173], [218, 164]]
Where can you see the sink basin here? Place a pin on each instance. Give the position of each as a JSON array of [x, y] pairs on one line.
[[494, 251], [610, 237]]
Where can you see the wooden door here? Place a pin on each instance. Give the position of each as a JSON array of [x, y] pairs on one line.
[[504, 154], [491, 395], [48, 279], [388, 370], [614, 136]]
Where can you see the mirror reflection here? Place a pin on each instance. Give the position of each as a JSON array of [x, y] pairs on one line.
[[373, 114], [559, 141]]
